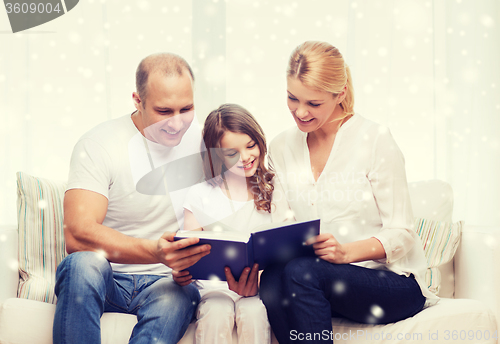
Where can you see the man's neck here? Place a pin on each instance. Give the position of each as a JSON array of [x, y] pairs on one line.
[[137, 119]]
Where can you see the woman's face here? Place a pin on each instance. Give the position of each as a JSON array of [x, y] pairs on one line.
[[312, 109], [241, 153]]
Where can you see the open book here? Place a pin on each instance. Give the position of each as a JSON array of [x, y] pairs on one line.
[[268, 244]]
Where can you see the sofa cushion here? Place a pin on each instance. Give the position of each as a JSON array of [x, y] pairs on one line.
[[41, 238], [440, 242], [433, 200], [25, 321], [457, 321], [30, 322], [9, 266]]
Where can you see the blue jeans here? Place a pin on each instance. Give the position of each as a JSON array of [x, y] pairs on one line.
[[302, 296], [86, 287]]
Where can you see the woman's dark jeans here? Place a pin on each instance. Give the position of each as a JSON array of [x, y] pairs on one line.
[[302, 296]]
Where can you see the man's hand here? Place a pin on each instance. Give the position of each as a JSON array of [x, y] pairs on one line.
[[247, 285], [328, 248], [176, 255], [182, 278]]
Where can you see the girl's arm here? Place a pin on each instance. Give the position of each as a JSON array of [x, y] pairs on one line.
[[190, 222]]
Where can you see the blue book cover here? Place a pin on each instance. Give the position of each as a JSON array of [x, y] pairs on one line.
[[268, 244]]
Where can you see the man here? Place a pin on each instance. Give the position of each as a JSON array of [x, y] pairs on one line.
[[120, 240]]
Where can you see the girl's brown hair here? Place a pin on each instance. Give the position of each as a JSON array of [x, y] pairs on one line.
[[236, 119], [320, 65]]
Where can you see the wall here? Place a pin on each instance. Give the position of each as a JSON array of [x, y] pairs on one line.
[[427, 69]]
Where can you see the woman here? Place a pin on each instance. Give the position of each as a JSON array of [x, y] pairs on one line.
[[347, 171]]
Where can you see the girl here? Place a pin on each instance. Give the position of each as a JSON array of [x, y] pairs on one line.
[[237, 194]]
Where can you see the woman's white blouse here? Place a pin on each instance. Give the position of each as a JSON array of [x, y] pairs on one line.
[[361, 193]]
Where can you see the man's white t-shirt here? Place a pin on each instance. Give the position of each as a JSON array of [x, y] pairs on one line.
[[103, 161]]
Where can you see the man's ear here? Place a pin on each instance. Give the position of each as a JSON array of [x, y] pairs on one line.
[[137, 101]]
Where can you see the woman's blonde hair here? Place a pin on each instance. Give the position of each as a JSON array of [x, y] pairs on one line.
[[319, 65], [236, 119]]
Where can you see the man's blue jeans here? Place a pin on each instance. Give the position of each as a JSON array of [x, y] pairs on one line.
[[303, 296], [86, 287]]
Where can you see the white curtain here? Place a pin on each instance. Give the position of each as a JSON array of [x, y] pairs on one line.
[[427, 69]]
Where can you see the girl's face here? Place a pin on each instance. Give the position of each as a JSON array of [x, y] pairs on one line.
[[241, 153], [311, 108]]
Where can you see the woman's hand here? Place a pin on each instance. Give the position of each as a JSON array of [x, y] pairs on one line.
[[248, 284], [328, 248], [182, 278]]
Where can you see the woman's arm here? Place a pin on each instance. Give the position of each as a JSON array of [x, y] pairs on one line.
[[387, 178], [328, 248]]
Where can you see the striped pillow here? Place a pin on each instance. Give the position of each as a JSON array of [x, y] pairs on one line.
[[440, 242], [41, 239]]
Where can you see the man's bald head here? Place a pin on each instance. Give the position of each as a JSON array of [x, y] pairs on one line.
[[167, 64]]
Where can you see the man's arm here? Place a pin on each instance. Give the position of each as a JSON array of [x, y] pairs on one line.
[[84, 212]]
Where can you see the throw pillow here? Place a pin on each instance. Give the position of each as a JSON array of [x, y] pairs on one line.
[[41, 237], [440, 242]]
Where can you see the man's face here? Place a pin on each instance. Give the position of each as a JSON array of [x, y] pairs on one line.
[[169, 108]]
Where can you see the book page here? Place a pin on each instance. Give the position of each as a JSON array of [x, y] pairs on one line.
[[223, 234], [273, 225]]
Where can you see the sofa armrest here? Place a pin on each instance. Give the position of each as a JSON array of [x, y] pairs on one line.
[[477, 268], [8, 262]]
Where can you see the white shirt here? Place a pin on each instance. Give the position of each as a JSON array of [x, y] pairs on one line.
[[211, 207], [361, 193], [105, 161]]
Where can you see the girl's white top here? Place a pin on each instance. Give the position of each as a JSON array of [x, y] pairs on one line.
[[211, 206], [215, 211], [361, 193]]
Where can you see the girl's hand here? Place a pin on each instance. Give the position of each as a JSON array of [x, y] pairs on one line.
[[328, 248], [182, 278], [247, 285]]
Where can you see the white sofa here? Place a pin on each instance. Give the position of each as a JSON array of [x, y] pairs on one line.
[[470, 283]]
